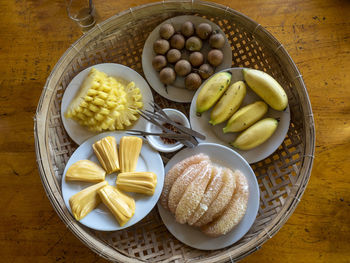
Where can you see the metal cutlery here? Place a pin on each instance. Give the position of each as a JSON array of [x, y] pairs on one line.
[[189, 143], [164, 134], [161, 117]]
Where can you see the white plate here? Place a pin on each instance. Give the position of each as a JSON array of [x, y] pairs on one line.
[[79, 133], [177, 92], [191, 236], [100, 218], [215, 134]]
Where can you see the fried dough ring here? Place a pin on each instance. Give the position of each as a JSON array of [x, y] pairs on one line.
[[175, 172], [193, 195], [182, 182], [222, 199], [234, 212], [213, 188]]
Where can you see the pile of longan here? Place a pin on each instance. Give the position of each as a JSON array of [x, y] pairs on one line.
[[179, 53]]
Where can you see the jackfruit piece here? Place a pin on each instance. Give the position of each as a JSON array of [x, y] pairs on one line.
[[137, 182], [86, 200], [121, 205], [86, 171], [129, 151], [107, 153]]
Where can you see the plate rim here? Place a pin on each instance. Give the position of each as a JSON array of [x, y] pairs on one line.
[[252, 180], [149, 72], [72, 88], [159, 187]]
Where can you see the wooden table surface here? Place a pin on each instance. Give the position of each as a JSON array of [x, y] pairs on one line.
[[35, 34]]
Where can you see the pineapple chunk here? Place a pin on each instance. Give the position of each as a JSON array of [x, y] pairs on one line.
[[107, 153], [137, 182], [86, 200], [129, 151], [103, 103], [121, 205], [133, 103], [85, 170]]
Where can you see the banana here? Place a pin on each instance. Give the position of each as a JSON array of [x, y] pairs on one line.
[[228, 103], [267, 88], [212, 91], [256, 134], [246, 117]]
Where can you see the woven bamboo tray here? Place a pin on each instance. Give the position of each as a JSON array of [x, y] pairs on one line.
[[282, 177]]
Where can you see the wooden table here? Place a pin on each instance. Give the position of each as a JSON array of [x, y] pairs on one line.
[[35, 34]]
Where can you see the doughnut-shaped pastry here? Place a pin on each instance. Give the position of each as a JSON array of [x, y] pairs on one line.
[[222, 199], [193, 195], [234, 211], [175, 172], [210, 194], [180, 185]]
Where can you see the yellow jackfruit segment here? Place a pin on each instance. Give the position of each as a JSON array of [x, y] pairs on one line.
[[137, 182], [121, 205], [86, 171], [107, 153], [103, 99], [86, 200], [129, 151]]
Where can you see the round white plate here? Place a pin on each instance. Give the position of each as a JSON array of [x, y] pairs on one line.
[[215, 134], [100, 218], [191, 236], [177, 91], [79, 133]]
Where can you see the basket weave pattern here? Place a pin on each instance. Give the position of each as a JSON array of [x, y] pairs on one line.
[[282, 177]]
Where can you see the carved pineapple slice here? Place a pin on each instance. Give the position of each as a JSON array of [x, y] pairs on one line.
[[103, 103], [86, 200], [121, 205], [85, 170], [107, 153], [129, 151]]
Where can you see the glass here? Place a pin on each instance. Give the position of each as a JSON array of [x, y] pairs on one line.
[[83, 13]]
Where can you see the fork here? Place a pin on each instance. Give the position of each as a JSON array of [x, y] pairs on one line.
[[164, 134], [162, 116], [189, 143]]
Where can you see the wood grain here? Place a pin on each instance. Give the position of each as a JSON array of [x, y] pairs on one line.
[[35, 34]]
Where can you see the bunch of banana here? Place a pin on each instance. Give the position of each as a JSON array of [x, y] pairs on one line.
[[227, 101]]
